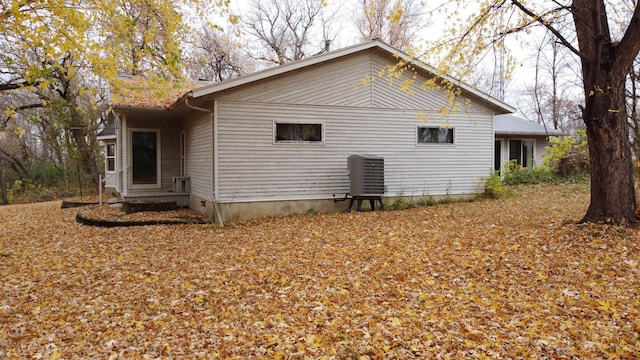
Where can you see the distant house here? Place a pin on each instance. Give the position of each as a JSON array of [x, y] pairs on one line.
[[521, 140], [277, 141]]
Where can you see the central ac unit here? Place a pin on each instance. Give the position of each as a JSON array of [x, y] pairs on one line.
[[366, 175]]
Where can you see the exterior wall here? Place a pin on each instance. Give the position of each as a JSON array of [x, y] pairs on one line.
[[540, 142], [350, 82], [198, 131], [539, 150], [254, 168], [377, 119], [336, 83]]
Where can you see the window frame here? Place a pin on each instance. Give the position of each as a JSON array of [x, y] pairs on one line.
[[158, 183], [108, 157], [450, 128], [520, 161], [307, 142]]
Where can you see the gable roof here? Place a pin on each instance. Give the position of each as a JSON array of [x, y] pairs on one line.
[[514, 125], [497, 105]]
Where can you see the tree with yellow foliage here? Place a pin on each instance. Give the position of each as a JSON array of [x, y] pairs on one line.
[[68, 49]]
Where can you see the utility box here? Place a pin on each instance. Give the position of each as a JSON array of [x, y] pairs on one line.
[[181, 184], [366, 175]]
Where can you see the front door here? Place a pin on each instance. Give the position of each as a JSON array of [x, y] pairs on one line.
[[145, 158]]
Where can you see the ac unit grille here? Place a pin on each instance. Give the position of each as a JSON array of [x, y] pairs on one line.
[[366, 175]]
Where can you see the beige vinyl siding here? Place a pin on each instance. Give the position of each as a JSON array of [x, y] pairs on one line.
[[387, 92], [111, 179], [253, 168], [540, 142], [353, 81], [335, 83], [199, 136]]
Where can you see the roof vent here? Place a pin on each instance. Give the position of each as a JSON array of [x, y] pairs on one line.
[[366, 175]]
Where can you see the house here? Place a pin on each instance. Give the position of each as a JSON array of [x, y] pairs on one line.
[[521, 140], [277, 141]]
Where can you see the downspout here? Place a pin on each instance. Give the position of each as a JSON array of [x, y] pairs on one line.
[[123, 171], [214, 115]]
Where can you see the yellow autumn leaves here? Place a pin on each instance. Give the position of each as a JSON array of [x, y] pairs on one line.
[[509, 278]]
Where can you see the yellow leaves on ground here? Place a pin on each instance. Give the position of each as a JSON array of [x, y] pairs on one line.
[[511, 278]]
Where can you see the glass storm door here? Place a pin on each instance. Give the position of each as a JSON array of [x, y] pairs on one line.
[[144, 158]]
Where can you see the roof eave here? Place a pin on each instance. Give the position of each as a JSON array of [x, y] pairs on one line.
[[524, 133], [106, 137], [141, 108]]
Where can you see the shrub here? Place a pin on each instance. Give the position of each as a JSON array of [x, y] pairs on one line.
[[494, 188], [514, 174], [562, 147], [47, 174]]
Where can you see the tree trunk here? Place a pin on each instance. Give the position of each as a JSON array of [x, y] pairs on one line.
[[3, 186], [604, 67], [613, 197], [79, 131]]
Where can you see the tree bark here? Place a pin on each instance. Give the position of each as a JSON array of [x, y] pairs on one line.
[[604, 68], [3, 186], [80, 133], [613, 197]]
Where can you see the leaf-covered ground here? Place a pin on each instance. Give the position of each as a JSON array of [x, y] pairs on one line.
[[512, 278]]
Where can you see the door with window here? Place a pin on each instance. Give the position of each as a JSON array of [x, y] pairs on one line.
[[145, 158]]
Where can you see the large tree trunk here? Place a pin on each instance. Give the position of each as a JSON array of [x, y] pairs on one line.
[[604, 67], [613, 197]]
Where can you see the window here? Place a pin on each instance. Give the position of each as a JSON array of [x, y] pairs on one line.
[[295, 132], [110, 157], [522, 152], [435, 135], [145, 157]]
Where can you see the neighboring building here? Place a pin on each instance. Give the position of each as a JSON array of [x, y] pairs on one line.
[[521, 140], [277, 141]]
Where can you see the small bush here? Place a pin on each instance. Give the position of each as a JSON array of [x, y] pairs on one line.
[[560, 147], [514, 174], [494, 188]]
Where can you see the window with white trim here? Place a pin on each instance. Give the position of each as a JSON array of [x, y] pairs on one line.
[[435, 135], [522, 152], [110, 157], [285, 132]]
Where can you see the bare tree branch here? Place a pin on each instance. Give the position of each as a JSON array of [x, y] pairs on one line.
[[540, 19]]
